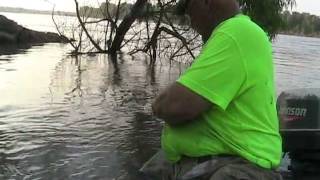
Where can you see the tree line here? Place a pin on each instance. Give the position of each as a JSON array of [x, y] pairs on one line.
[[300, 24]]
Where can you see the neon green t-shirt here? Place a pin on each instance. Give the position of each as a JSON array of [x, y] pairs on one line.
[[234, 71]]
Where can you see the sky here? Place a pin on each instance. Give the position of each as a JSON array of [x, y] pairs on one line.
[[310, 6]]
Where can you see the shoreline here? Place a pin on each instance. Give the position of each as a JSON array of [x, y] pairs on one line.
[[299, 35], [31, 11]]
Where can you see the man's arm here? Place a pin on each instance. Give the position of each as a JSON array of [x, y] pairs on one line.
[[178, 105]]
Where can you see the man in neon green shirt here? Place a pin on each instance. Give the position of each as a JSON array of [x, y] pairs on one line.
[[223, 106]]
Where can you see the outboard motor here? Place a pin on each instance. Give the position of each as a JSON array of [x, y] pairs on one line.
[[299, 114]]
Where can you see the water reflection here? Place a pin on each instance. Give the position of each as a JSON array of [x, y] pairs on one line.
[[9, 49], [94, 123]]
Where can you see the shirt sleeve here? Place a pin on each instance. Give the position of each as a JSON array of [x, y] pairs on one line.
[[218, 73]]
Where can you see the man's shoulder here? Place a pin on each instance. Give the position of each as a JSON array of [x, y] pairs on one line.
[[240, 25], [245, 33], [236, 21]]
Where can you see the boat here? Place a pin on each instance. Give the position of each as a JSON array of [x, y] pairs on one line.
[[299, 115]]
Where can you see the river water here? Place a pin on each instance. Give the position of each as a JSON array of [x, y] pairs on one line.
[[64, 117]]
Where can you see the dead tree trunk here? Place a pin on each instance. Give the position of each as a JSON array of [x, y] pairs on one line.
[[125, 25]]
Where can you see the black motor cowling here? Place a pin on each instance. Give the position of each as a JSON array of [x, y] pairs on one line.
[[299, 114]]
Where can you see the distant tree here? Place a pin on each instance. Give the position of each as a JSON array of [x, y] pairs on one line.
[[267, 13], [301, 24]]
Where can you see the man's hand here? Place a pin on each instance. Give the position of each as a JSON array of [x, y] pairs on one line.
[[178, 105]]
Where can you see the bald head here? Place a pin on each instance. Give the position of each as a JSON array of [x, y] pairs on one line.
[[208, 14]]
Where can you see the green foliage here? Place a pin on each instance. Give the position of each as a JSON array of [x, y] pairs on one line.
[[266, 13], [301, 24]]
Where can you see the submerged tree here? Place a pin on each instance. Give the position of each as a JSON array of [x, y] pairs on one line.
[[151, 26]]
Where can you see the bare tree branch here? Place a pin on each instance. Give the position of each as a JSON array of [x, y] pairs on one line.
[[85, 29]]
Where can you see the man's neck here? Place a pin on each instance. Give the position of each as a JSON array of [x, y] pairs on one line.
[[207, 34]]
